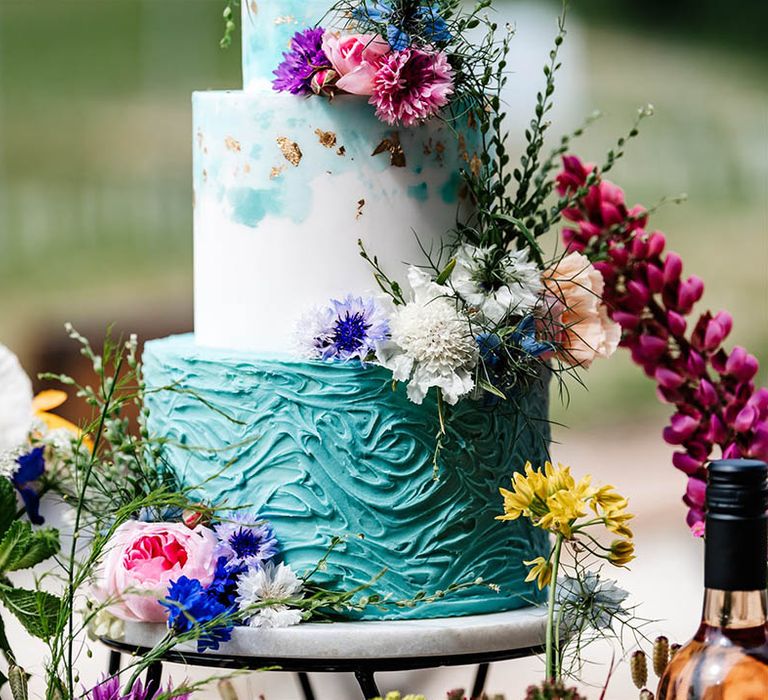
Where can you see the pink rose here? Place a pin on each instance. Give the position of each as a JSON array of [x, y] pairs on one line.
[[585, 330], [356, 58], [143, 558]]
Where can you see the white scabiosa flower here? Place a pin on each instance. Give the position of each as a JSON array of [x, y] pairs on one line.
[[275, 585], [497, 284], [15, 402], [431, 343]]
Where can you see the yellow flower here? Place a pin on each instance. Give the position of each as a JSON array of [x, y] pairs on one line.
[[564, 508], [541, 572], [527, 497], [608, 498], [44, 403], [622, 552], [615, 520]]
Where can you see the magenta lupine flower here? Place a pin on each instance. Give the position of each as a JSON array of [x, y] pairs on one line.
[[717, 403], [303, 60], [110, 689], [412, 86]]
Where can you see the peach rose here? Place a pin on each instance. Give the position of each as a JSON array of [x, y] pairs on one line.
[[143, 558], [585, 330], [356, 58]]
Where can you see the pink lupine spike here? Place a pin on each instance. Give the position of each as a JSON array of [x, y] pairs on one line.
[[673, 268], [685, 463], [676, 323], [656, 244]]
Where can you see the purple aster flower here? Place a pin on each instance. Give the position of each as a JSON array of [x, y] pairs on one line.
[[246, 540], [345, 330], [191, 605], [31, 469], [301, 62], [109, 689]]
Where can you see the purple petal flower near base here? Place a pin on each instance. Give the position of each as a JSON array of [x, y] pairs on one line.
[[301, 62]]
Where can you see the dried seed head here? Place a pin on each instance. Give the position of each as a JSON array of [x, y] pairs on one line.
[[638, 665], [673, 649], [660, 655], [646, 694]]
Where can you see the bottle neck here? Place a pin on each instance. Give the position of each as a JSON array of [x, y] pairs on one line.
[[735, 609]]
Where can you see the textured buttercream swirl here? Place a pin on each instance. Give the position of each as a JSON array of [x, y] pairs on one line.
[[324, 449]]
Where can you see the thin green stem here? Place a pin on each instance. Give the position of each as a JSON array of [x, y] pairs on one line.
[[550, 656]]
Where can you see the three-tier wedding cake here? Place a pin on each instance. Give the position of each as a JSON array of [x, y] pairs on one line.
[[284, 186]]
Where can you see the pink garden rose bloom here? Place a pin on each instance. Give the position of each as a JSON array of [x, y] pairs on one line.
[[355, 58], [412, 86], [143, 558], [586, 332]]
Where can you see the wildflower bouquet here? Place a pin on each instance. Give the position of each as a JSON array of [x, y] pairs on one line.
[[411, 59]]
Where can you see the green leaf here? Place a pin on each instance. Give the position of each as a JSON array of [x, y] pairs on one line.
[[23, 548], [443, 277], [7, 505], [487, 386], [38, 611]]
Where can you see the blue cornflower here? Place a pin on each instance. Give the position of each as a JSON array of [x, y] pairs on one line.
[[224, 584], [31, 468], [247, 540], [345, 330], [434, 26], [525, 337], [191, 605]]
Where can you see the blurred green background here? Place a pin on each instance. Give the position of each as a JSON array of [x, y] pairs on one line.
[[95, 159]]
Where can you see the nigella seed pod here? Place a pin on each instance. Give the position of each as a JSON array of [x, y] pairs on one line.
[[638, 666], [660, 655], [673, 649]]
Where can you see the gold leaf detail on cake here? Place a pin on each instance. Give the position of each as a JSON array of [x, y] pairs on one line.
[[275, 172], [200, 139], [341, 151], [247, 168], [205, 175], [290, 150], [428, 147], [326, 138], [439, 150], [285, 19], [360, 206], [232, 144], [475, 165], [254, 7], [392, 145], [463, 154]]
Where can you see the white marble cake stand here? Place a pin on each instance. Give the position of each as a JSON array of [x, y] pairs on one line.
[[363, 648]]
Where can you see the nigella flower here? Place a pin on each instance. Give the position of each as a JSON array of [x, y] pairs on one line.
[[190, 605], [31, 467], [411, 86], [591, 598], [301, 62], [525, 337], [345, 330], [272, 588], [431, 344], [424, 21], [433, 25], [246, 540], [495, 283]]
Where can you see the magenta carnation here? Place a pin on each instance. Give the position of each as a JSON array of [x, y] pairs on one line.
[[411, 86]]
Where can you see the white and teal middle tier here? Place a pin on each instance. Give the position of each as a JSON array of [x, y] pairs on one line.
[[286, 185]]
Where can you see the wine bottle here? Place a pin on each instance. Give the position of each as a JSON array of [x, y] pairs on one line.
[[728, 657]]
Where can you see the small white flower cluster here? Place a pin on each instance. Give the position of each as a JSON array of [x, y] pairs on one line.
[[268, 589]]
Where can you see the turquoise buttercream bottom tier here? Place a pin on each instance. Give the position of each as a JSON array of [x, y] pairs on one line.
[[329, 449]]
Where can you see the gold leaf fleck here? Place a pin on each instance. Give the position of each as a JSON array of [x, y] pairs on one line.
[[360, 206], [392, 145], [232, 144], [290, 150], [254, 7], [247, 168], [439, 150], [341, 151], [285, 19], [326, 138], [475, 165], [428, 147], [205, 175], [200, 139], [463, 154], [275, 172]]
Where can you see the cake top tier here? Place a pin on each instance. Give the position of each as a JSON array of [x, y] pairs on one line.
[[268, 26]]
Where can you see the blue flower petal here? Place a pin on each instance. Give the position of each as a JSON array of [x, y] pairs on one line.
[[397, 38]]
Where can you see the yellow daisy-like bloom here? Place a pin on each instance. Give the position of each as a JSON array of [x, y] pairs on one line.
[[44, 403], [551, 498], [622, 552], [541, 572], [616, 521]]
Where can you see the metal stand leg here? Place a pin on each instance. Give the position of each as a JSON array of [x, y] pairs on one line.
[[306, 686], [367, 684], [113, 665], [154, 678], [479, 685]]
